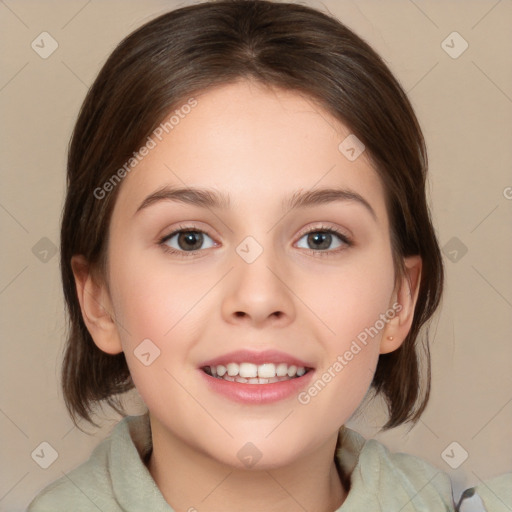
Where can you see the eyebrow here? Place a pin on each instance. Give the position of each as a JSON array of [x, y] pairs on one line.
[[212, 199]]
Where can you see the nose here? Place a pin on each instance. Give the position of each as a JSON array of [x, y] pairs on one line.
[[259, 293]]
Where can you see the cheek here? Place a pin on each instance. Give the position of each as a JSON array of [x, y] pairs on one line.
[[349, 298], [351, 305], [150, 301], [157, 314]]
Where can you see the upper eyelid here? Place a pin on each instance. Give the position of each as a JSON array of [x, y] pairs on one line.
[[323, 227], [184, 227]]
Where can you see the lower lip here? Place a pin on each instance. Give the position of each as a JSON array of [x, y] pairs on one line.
[[257, 393]]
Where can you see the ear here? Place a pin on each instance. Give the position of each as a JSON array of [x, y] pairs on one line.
[[96, 307], [403, 303]]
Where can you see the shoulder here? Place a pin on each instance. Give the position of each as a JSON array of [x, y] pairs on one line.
[[89, 486], [82, 489], [495, 493], [418, 480], [381, 478]]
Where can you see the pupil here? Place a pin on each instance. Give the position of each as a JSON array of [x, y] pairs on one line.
[[323, 238]]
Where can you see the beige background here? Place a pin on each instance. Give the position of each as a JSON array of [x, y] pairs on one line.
[[465, 108]]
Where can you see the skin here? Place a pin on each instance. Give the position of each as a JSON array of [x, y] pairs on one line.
[[259, 146]]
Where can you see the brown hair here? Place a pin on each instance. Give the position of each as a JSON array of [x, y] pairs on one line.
[[283, 45]]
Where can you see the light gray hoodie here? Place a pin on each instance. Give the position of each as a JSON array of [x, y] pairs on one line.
[[115, 479]]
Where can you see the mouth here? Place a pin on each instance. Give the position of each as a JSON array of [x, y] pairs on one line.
[[251, 373], [256, 378], [250, 367]]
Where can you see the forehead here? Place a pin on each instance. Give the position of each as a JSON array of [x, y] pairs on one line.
[[255, 143]]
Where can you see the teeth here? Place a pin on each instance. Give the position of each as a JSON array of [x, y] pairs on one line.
[[267, 370], [248, 370], [232, 369], [282, 370], [292, 370], [250, 373]]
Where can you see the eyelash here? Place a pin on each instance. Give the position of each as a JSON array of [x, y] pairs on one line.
[[317, 253]]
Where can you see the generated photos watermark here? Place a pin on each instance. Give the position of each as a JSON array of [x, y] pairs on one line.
[[158, 133], [355, 348]]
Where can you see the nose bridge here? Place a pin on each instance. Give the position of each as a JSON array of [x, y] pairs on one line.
[[258, 291]]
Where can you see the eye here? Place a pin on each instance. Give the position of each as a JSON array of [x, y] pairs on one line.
[[185, 240], [321, 239], [188, 241]]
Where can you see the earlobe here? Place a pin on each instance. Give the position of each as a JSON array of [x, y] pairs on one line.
[[96, 307], [404, 304]]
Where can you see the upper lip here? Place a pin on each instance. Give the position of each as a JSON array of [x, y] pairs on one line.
[[250, 356]]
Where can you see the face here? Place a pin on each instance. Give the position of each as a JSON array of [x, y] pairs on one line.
[[307, 285]]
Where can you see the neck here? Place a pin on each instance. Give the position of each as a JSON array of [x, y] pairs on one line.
[[190, 480]]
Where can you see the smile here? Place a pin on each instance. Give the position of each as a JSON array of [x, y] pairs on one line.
[[250, 373]]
